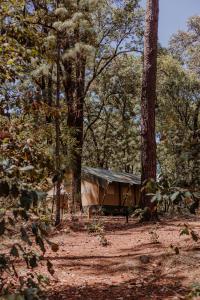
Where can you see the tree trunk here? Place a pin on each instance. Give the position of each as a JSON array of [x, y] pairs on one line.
[[196, 147], [50, 96], [57, 128], [78, 126], [148, 99], [74, 91]]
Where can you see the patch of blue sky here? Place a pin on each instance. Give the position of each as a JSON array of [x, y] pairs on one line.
[[173, 16]]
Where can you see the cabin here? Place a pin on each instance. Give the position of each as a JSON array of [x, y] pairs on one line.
[[100, 187]]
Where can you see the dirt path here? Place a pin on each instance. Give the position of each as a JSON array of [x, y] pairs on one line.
[[138, 263]]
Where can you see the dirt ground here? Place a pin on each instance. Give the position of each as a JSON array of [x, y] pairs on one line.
[[140, 262]]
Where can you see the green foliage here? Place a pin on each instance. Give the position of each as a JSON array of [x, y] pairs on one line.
[[169, 197], [178, 120], [29, 246], [185, 230], [184, 45], [195, 291], [112, 118], [188, 231], [98, 71], [93, 34], [96, 227]]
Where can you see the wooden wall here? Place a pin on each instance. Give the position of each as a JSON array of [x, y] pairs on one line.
[[110, 195], [115, 194], [90, 193]]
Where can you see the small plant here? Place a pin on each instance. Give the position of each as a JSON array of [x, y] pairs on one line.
[[154, 237], [103, 240], [30, 244], [195, 291], [186, 230], [170, 198], [141, 214], [95, 227], [175, 249]]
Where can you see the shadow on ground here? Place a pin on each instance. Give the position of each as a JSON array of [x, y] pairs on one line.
[[161, 288]]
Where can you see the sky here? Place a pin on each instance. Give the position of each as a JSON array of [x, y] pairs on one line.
[[174, 15]]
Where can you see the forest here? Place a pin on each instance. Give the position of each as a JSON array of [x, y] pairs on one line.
[[99, 152]]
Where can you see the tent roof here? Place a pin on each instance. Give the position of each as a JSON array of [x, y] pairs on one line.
[[110, 176]]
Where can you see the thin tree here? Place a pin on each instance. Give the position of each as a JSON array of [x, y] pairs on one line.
[[57, 129], [148, 99]]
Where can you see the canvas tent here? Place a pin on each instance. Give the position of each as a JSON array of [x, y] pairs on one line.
[[102, 187]]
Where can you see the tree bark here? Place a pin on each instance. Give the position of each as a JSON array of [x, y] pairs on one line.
[[75, 94], [78, 125], [57, 129], [196, 147], [50, 96], [148, 99]]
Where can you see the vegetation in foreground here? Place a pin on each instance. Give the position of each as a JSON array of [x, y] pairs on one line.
[[70, 94]]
